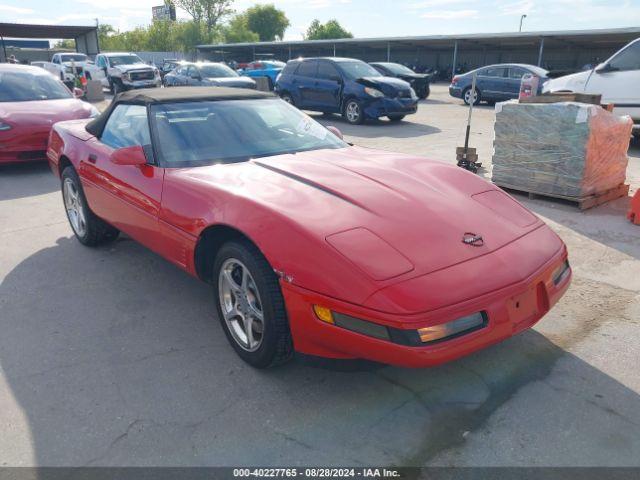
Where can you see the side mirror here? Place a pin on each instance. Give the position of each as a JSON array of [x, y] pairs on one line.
[[129, 156], [335, 131], [196, 76], [78, 92]]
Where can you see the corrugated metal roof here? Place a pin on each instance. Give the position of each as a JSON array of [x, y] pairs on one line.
[[22, 30], [585, 35]]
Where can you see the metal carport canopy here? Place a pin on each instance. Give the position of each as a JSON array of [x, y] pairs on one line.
[[86, 37], [601, 37]]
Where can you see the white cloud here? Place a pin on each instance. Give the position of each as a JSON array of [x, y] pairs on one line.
[[16, 10], [521, 7], [433, 3], [449, 14]]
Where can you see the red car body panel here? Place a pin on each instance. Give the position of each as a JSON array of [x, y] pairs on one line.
[[31, 124], [370, 234]]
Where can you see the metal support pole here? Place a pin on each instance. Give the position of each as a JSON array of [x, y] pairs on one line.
[[540, 52], [334, 49], [472, 101], [455, 59], [4, 48], [254, 54], [388, 51], [289, 52]]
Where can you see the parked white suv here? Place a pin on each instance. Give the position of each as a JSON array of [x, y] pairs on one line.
[[617, 79], [124, 71]]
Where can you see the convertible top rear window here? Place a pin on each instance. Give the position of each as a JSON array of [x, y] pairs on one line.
[[204, 133]]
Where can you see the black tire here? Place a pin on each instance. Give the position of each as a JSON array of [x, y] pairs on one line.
[[118, 87], [426, 91], [97, 231], [466, 94], [270, 83], [351, 106], [286, 96], [396, 118], [111, 88], [276, 345]]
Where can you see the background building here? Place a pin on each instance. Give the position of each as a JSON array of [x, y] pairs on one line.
[[554, 50]]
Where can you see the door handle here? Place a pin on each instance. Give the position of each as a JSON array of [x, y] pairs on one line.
[[92, 158]]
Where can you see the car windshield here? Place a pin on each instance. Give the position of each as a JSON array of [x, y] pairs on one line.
[[124, 60], [355, 70], [397, 69], [216, 71], [76, 58], [25, 87], [227, 131]]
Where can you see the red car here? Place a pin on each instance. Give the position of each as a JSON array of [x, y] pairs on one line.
[[310, 244], [31, 101]]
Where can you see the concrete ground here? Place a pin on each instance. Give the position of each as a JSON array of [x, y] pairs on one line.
[[114, 357]]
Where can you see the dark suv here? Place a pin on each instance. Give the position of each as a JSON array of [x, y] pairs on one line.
[[347, 86]]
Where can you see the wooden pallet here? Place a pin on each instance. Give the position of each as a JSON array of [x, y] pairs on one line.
[[557, 97], [584, 203]]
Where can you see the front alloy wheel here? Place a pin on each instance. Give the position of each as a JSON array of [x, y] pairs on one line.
[[250, 305], [240, 304], [353, 112], [469, 97]]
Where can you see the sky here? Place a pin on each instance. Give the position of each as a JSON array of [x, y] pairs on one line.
[[364, 18]]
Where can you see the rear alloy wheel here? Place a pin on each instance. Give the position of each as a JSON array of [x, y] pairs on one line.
[[88, 229], [287, 98], [467, 96], [250, 305], [353, 112]]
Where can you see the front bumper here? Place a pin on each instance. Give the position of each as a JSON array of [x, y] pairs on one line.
[[130, 85], [509, 310], [381, 107], [455, 92], [24, 147]]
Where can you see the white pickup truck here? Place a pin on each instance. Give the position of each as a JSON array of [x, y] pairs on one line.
[[125, 71], [617, 79], [62, 66]]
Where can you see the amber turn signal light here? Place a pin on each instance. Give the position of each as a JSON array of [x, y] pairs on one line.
[[323, 313]]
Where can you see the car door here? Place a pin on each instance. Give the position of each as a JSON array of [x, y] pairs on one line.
[[513, 81], [194, 78], [101, 63], [304, 81], [491, 83], [618, 80], [126, 196], [327, 87]]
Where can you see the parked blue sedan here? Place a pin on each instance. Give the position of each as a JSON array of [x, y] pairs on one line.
[[495, 83], [264, 68]]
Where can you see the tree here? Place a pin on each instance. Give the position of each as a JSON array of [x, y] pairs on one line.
[[267, 21], [209, 11], [237, 31], [330, 30], [66, 44], [160, 36]]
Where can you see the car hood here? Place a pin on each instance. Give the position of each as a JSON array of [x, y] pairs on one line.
[[408, 208], [43, 112], [230, 81], [134, 66], [575, 82], [387, 85]]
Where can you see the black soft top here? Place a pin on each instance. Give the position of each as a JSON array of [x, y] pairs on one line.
[[149, 96]]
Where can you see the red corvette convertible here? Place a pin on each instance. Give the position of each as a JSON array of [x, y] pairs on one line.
[[310, 244], [31, 100]]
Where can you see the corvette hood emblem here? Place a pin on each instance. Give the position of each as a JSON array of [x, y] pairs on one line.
[[473, 239]]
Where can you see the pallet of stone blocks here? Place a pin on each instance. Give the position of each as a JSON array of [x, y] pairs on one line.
[[568, 150]]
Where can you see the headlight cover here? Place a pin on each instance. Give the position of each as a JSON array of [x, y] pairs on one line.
[[373, 92]]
